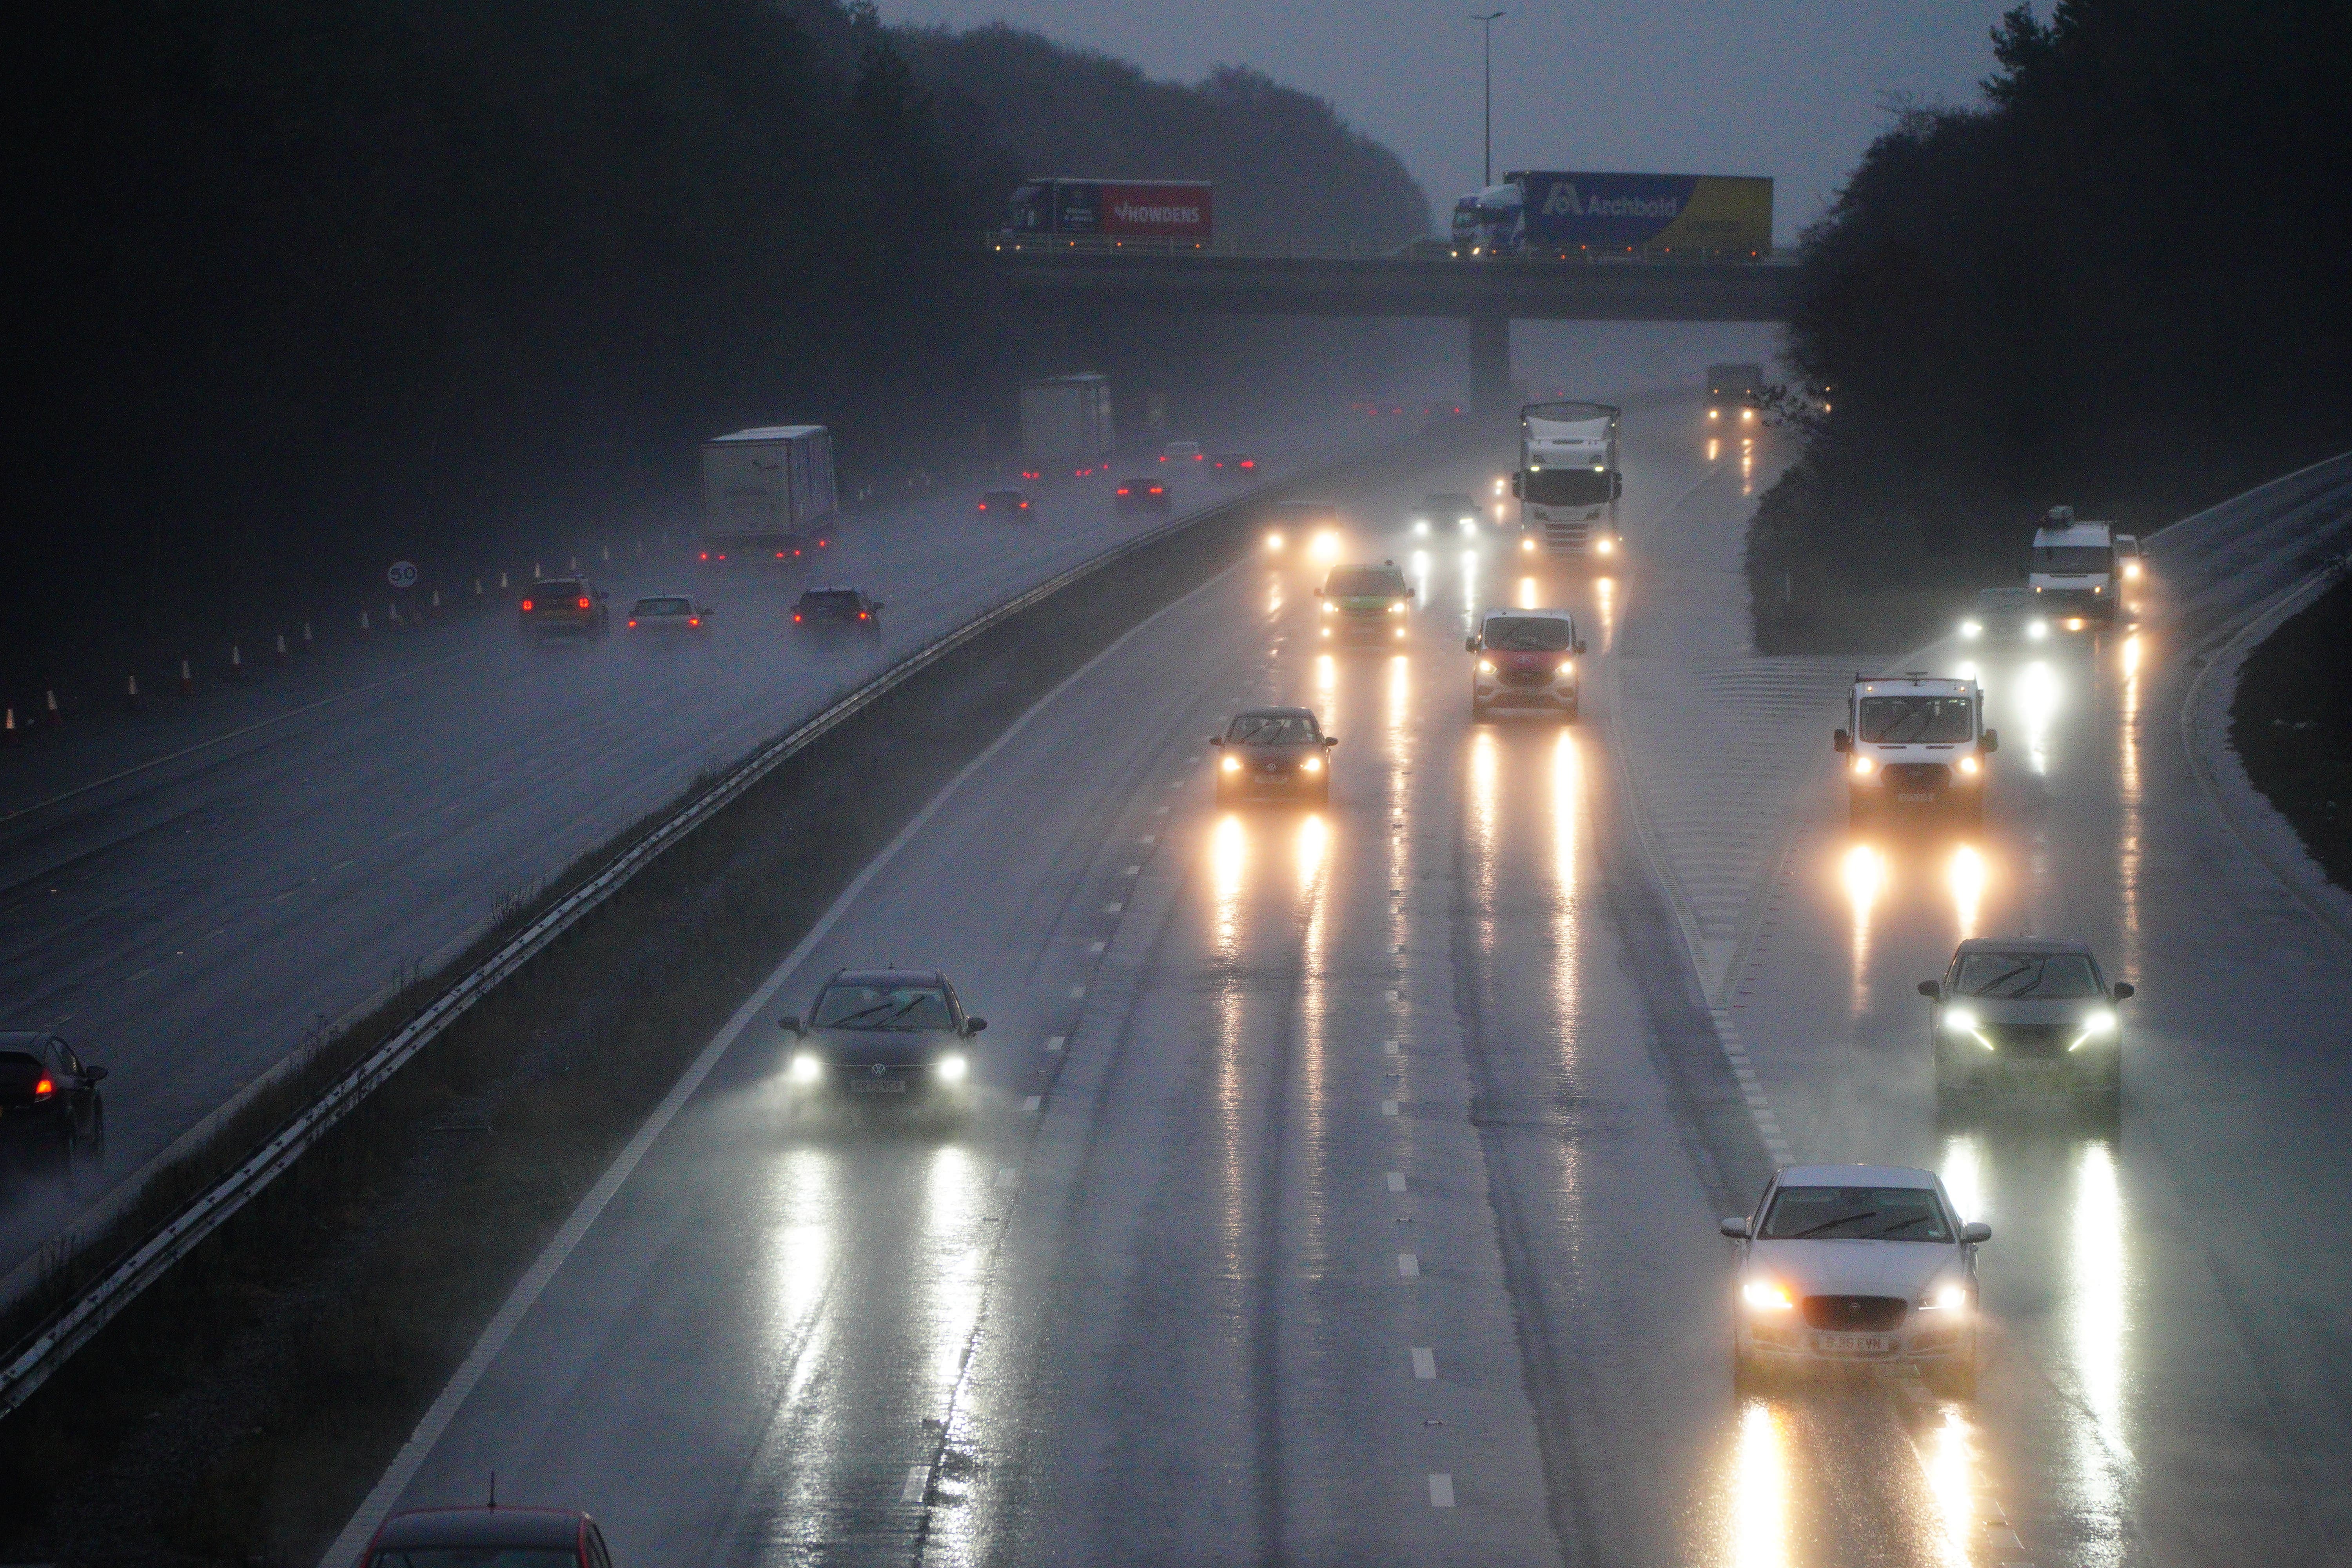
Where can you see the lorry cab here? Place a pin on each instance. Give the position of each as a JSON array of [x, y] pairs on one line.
[[2073, 573], [1916, 742], [1568, 483], [1487, 222]]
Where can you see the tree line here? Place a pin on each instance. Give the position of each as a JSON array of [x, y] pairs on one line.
[[2118, 284]]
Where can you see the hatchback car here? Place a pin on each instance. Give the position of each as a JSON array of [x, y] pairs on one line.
[[1233, 464], [669, 614], [1454, 512], [1526, 659], [1181, 452], [487, 1538], [1274, 753], [847, 608], [888, 1035], [1365, 603], [2026, 1011], [50, 1105], [2004, 614], [1010, 503], [1142, 495], [1856, 1264], [565, 605]]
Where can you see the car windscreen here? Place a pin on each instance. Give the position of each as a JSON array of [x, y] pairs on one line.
[[1272, 730], [1902, 721], [556, 590], [1529, 634], [830, 599], [1002, 498], [2056, 976], [848, 1005], [1564, 487], [1855, 1214], [2073, 558], [1454, 501], [477, 1557], [662, 607], [1364, 582]]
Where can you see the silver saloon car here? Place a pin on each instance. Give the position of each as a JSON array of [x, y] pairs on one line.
[[2026, 1012], [1856, 1264]]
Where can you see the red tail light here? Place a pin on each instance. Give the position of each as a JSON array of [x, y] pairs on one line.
[[1024, 506], [583, 603], [526, 606], [1249, 462], [983, 506], [822, 542], [1122, 489], [690, 620], [796, 617], [44, 1088], [633, 623], [706, 555], [861, 615], [780, 555]]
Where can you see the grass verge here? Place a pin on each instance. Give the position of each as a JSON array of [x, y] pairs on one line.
[[239, 1411], [2291, 723]]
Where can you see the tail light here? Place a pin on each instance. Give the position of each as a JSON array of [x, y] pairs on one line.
[[1122, 489], [633, 623], [983, 506], [822, 542], [45, 1087], [1024, 506], [690, 620], [583, 603], [1249, 462], [861, 615], [706, 555], [796, 617], [526, 606], [780, 555]]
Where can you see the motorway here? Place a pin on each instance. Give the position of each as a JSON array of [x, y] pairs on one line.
[[1344, 1186], [188, 894]]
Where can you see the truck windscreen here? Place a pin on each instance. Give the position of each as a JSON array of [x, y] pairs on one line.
[[2073, 558], [1564, 487], [1899, 721]]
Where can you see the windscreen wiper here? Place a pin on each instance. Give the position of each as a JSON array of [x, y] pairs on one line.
[[1827, 1224]]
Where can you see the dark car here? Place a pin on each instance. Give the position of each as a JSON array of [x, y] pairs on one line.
[[487, 1538], [669, 613], [49, 1104], [1006, 503], [2026, 1011], [889, 1035], [565, 605], [2005, 614], [1451, 511], [1142, 495], [1233, 464], [1274, 753], [1365, 603], [819, 608]]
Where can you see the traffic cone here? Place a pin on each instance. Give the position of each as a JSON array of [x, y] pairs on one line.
[[187, 679], [49, 702], [281, 648], [608, 555], [502, 582], [365, 628], [392, 614], [436, 598], [236, 662], [130, 694], [306, 636], [477, 587], [11, 735]]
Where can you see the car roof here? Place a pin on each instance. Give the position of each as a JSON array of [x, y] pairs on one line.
[[482, 1527], [2023, 944], [1855, 1176], [1529, 614], [664, 594], [836, 588], [1275, 713], [886, 977]]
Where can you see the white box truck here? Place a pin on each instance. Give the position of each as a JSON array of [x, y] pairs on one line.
[[768, 494], [1065, 422], [2073, 573], [1568, 483]]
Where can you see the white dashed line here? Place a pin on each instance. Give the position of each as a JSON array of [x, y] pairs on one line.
[[1440, 1491], [1135, 870], [1425, 1363], [1113, 909], [1394, 996], [1409, 1265], [1077, 990], [1392, 1048], [918, 1482], [1056, 1041], [1033, 1102], [1388, 1108], [1759, 1108], [1096, 946], [1396, 1181]]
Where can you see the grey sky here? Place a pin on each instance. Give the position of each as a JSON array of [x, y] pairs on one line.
[[1791, 88]]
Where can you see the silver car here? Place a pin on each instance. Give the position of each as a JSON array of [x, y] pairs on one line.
[[1856, 1264], [2026, 1012]]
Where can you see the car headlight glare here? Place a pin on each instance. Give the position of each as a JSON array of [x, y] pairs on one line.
[[954, 1068], [2037, 630], [1397, 609], [1527, 545], [1231, 764], [1862, 767], [807, 1069], [1767, 1296], [1311, 765], [1607, 546], [1329, 608], [1274, 542], [1945, 1298], [1970, 766], [1485, 667], [2100, 1022], [1971, 630], [1960, 1021]]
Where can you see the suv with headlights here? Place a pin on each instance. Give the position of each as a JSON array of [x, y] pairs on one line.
[[1365, 603], [1916, 742], [1274, 753], [890, 1036], [2026, 1011], [1525, 658]]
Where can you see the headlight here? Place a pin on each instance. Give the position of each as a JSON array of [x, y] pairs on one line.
[[953, 1069], [1748, 413], [1485, 667], [1767, 1296], [1421, 527], [1606, 546], [1971, 630], [1274, 542], [1567, 666], [1397, 608], [1862, 767], [1469, 524], [2096, 1026], [1945, 1298], [1230, 763], [2037, 629], [1311, 765], [2131, 570], [1329, 608], [807, 1069], [1715, 413], [1527, 545], [2074, 623], [1969, 766], [1960, 1021]]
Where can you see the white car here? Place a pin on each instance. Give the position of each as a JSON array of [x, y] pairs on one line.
[[1181, 452], [1856, 1264]]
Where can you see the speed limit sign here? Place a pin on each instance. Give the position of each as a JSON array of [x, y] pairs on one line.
[[403, 574]]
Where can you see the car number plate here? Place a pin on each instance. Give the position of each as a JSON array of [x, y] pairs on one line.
[[882, 1086], [1852, 1344], [1929, 795]]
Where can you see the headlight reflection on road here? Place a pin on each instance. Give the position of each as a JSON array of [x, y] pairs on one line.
[[2101, 1326], [1948, 1453], [1528, 594], [2127, 790], [955, 1290], [2037, 701], [1469, 583], [1566, 802], [1864, 874], [1228, 858], [1604, 601], [1760, 1484], [1968, 880]]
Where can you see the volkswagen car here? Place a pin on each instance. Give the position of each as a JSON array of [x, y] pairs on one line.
[[564, 604], [1856, 1264], [1274, 753], [887, 1036], [2031, 1012], [1365, 603], [1526, 659]]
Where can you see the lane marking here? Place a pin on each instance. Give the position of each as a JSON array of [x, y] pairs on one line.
[[1054, 1042], [1392, 1048], [1409, 1265], [1424, 1363], [1033, 1102], [1396, 1181], [1135, 870], [1096, 946], [1077, 990], [1388, 1108], [1112, 909], [919, 1484], [1440, 1491], [1007, 1175]]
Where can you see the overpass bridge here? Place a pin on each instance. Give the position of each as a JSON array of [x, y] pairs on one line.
[[1487, 293]]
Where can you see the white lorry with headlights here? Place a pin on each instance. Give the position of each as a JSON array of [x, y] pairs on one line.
[[1568, 483], [2073, 573], [1916, 742]]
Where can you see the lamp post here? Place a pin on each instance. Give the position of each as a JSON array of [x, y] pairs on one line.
[[1487, 28]]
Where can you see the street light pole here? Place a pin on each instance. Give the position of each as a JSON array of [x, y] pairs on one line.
[[1486, 28]]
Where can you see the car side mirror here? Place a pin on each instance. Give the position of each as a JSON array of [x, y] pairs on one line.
[[1469, 645], [1991, 741], [2123, 991], [1736, 1228], [1216, 740], [1517, 490], [1976, 1232], [974, 1026], [1932, 990], [1577, 647], [1840, 741], [790, 1023], [93, 1074], [1330, 741]]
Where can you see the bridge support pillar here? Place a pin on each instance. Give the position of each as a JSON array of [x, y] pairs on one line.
[[1490, 362]]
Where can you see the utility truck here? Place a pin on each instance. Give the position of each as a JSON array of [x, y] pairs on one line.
[[1916, 742], [768, 494], [1568, 483], [2073, 574]]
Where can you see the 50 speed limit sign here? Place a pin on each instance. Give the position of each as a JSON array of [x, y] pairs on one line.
[[402, 575]]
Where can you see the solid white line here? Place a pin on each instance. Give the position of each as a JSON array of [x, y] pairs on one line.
[[1396, 1181], [1425, 1363], [1409, 1265], [461, 1384], [918, 1483]]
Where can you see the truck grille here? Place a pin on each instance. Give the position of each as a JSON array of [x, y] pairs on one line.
[[1855, 1314], [1917, 775], [1566, 538]]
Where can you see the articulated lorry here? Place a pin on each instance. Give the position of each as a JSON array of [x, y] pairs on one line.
[[1112, 210], [2073, 574], [1065, 421], [768, 494], [1583, 214], [1568, 483]]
